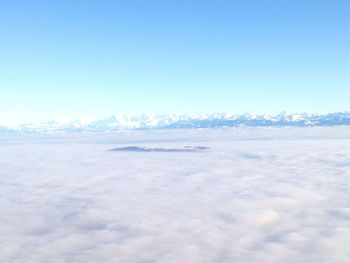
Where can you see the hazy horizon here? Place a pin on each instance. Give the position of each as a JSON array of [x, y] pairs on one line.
[[243, 154]]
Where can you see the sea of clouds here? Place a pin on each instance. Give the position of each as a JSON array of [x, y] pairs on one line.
[[255, 195]]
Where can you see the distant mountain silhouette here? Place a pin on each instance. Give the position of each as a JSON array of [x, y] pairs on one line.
[[144, 149], [146, 122]]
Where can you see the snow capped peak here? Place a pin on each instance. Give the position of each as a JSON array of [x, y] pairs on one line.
[[173, 121]]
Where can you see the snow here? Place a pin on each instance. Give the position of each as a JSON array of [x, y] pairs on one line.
[[145, 121]]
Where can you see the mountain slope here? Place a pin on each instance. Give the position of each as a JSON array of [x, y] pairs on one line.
[[144, 121]]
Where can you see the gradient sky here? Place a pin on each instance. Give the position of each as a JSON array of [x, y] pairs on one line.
[[71, 59]]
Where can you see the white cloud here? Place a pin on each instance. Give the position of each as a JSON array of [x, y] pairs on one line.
[[257, 195]]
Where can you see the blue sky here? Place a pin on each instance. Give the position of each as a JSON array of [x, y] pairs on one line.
[[71, 59]]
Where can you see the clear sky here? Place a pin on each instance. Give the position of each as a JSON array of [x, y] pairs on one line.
[[71, 59]]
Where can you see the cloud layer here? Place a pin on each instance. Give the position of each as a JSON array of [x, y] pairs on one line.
[[266, 195]]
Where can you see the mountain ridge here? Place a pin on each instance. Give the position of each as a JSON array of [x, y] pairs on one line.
[[173, 121]]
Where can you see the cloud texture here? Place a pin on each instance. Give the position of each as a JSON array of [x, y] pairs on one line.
[[257, 195]]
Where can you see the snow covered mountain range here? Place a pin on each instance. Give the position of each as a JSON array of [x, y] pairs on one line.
[[144, 121]]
